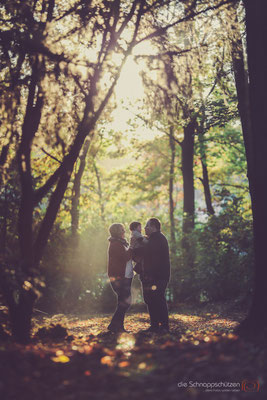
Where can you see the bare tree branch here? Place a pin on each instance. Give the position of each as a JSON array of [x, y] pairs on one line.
[[40, 193], [50, 155], [191, 15]]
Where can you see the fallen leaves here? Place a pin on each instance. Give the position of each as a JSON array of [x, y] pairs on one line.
[[107, 360], [132, 365], [52, 331], [61, 359]]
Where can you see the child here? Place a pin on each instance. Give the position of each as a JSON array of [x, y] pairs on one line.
[[137, 240]]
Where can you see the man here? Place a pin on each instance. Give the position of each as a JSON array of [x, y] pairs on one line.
[[155, 275]]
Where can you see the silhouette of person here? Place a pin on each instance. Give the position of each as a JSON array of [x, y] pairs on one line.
[[155, 275]]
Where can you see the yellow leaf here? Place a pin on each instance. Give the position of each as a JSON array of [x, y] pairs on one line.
[[60, 359], [142, 365]]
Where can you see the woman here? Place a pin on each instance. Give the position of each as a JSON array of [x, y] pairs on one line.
[[120, 276]]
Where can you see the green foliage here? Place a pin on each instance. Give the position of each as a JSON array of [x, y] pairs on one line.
[[223, 256]]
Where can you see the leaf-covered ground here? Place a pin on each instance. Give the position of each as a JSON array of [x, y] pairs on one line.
[[89, 363]]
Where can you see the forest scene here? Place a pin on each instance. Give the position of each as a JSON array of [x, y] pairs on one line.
[[117, 111]]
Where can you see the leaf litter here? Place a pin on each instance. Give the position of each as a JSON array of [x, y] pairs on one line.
[[76, 358]]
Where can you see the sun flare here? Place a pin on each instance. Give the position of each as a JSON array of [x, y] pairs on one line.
[[130, 84], [130, 93]]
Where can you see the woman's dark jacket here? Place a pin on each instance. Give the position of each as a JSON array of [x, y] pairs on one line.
[[118, 255]]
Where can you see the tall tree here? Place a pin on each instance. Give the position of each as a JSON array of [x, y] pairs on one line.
[[76, 193], [256, 30], [171, 184], [241, 81]]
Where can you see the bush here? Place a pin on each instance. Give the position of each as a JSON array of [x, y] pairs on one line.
[[220, 260]]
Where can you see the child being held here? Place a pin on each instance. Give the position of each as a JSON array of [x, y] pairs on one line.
[[137, 240]]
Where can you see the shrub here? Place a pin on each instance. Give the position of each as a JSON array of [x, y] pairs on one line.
[[220, 260]]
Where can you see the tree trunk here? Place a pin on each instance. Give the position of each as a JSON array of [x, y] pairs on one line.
[[206, 185], [99, 192], [4, 226], [85, 130], [188, 177], [55, 200], [76, 191], [242, 90], [171, 180], [256, 15], [203, 158], [20, 300], [74, 289], [29, 129], [20, 316], [20, 312]]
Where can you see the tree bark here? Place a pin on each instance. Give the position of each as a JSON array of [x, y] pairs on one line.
[[4, 226], [206, 185], [171, 180], [29, 129], [256, 14], [205, 174], [20, 301], [242, 90], [20, 312], [99, 192], [20, 316], [188, 177], [76, 191]]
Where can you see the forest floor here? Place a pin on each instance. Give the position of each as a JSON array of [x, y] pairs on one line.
[[200, 358]]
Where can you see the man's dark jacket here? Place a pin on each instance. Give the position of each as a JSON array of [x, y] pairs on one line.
[[156, 259]]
